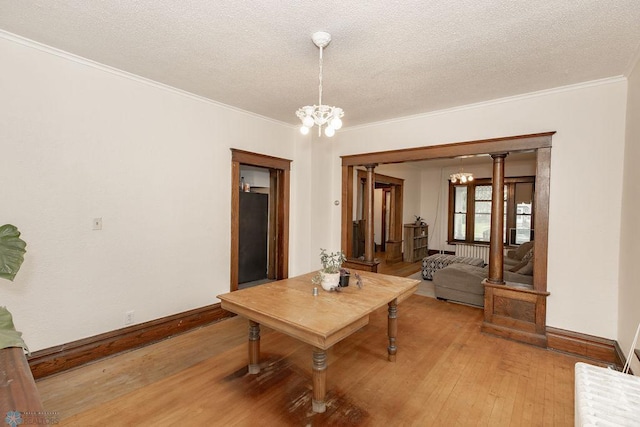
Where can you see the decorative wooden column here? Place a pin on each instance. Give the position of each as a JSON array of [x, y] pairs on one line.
[[496, 244], [369, 245], [511, 310]]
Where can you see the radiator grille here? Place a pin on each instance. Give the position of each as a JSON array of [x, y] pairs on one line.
[[605, 397], [474, 251]]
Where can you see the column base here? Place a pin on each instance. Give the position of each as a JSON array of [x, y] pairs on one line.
[[516, 313], [318, 407]]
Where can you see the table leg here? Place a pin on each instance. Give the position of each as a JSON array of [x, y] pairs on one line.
[[393, 330], [319, 380], [254, 347]]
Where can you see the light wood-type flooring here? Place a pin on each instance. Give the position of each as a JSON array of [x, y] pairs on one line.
[[402, 269], [447, 373]]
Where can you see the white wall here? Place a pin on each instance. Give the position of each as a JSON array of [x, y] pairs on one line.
[[81, 141], [584, 208], [323, 210], [629, 298]]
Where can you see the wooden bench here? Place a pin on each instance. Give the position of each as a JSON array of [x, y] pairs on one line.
[[18, 391]]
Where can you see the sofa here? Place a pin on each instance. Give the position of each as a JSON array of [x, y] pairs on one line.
[[521, 255], [435, 262], [463, 283]]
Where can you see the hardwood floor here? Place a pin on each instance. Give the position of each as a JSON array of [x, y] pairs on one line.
[[402, 269], [447, 373]]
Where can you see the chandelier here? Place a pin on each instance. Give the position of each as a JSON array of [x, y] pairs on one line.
[[463, 177], [320, 115]]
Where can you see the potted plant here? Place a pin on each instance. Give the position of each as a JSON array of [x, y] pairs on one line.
[[344, 277], [12, 250], [329, 275], [419, 220]]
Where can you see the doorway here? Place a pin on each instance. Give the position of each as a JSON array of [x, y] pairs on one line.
[[509, 311], [388, 195], [256, 227], [274, 197]]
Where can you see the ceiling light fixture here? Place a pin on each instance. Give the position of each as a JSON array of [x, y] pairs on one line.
[[320, 115], [461, 176]]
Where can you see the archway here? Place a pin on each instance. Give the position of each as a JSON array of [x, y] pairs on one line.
[[510, 312]]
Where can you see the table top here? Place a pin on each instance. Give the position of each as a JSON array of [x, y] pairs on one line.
[[290, 307]]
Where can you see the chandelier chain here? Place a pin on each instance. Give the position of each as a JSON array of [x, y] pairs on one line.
[[320, 79]]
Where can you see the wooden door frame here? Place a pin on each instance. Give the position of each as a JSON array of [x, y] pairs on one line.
[[540, 143], [383, 217], [279, 193]]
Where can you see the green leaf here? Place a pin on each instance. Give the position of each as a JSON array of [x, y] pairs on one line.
[[9, 337], [12, 250]]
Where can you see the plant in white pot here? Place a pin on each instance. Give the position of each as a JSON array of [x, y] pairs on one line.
[[329, 275], [12, 250]]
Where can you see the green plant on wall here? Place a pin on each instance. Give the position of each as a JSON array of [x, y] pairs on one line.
[[12, 250]]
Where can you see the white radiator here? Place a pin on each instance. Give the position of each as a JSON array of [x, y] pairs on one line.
[[475, 251], [605, 397]]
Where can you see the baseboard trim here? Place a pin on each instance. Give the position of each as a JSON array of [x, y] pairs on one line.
[[595, 348], [66, 356], [514, 334]]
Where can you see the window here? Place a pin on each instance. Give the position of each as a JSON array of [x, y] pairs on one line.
[[460, 213], [470, 211]]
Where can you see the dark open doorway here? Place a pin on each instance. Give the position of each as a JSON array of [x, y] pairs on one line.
[[277, 226], [388, 216]]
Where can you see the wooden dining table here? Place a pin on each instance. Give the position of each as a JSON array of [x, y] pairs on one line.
[[289, 306]]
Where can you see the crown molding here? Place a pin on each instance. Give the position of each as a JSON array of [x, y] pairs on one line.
[[130, 76], [497, 101]]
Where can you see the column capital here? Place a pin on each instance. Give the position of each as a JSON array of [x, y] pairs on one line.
[[370, 165], [499, 155]]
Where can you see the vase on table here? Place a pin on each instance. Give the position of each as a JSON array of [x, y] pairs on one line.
[[330, 281]]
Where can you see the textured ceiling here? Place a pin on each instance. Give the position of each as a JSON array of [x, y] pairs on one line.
[[387, 59]]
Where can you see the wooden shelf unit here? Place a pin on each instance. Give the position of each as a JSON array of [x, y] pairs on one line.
[[416, 242]]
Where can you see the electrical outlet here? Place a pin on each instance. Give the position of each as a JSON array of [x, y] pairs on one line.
[[97, 223], [129, 317]]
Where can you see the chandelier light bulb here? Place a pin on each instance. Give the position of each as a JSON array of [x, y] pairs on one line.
[[329, 131], [336, 123], [454, 180], [304, 130], [463, 179], [308, 121], [470, 178]]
